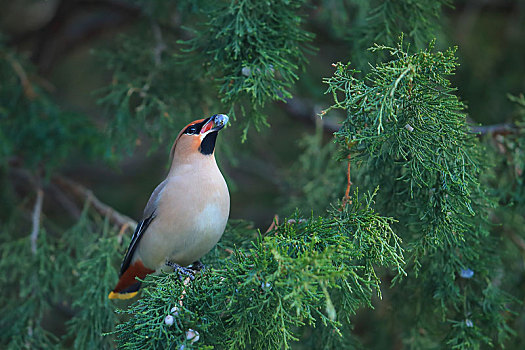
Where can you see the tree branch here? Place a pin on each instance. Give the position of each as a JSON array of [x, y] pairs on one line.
[[58, 187], [307, 112], [346, 198], [517, 240], [496, 129], [160, 46], [50, 189], [37, 211], [67, 203], [84, 193], [26, 84]]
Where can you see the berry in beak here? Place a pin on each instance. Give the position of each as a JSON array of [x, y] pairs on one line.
[[215, 123]]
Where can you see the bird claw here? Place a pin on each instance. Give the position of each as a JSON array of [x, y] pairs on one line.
[[197, 266], [182, 271]]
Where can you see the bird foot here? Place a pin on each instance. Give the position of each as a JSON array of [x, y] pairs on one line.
[[197, 266], [182, 271]]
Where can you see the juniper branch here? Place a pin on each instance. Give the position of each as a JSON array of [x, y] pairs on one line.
[[409, 134], [517, 240], [495, 129], [303, 272], [37, 211], [119, 219], [307, 112], [67, 203]]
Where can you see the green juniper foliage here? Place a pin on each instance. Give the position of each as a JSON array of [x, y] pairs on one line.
[[406, 130], [506, 151], [71, 272], [510, 182], [90, 297], [305, 272], [32, 285], [245, 52], [252, 49], [383, 21], [32, 120], [155, 97], [424, 263], [419, 19], [316, 172]]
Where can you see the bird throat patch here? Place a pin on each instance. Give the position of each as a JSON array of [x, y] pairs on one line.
[[208, 143]]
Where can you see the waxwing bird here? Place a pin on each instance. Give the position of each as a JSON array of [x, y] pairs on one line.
[[185, 215]]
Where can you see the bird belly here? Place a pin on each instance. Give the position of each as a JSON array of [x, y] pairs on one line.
[[185, 236], [208, 229]]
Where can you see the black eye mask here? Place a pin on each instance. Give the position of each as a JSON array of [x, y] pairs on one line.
[[208, 143], [195, 129]]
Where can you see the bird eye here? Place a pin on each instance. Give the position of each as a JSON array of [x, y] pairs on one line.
[[191, 130]]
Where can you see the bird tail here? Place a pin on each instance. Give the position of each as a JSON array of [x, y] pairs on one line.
[[128, 286]]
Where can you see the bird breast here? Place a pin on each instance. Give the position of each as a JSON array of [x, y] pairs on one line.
[[192, 212]]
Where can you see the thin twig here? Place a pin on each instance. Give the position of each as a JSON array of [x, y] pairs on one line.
[[51, 190], [123, 230], [274, 224], [160, 45], [186, 282], [496, 129], [26, 84], [517, 240], [37, 211], [304, 110], [84, 193], [346, 198], [67, 203]]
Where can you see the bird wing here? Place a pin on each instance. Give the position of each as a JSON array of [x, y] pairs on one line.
[[147, 218]]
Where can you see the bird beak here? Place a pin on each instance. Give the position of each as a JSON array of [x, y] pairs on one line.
[[215, 123]]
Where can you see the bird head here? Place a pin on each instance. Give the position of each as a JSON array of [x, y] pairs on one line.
[[198, 137]]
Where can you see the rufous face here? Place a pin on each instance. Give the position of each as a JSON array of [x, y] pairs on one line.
[[199, 136]]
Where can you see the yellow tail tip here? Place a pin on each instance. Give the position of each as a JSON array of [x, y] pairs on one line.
[[122, 296]]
